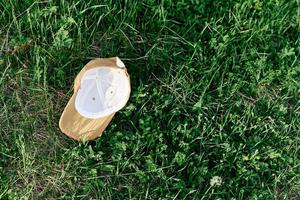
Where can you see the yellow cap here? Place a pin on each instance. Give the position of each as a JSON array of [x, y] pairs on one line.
[[101, 89]]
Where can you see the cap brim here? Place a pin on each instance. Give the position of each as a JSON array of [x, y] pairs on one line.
[[80, 128]]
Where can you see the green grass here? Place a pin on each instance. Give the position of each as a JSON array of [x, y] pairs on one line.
[[215, 93]]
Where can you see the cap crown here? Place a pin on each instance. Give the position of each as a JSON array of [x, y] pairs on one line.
[[103, 91]]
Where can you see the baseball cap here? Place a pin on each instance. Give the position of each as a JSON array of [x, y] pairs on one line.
[[101, 89]]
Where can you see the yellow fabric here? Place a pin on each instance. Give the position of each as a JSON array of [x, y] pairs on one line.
[[75, 125]]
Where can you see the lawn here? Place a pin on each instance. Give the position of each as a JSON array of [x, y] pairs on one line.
[[214, 111]]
